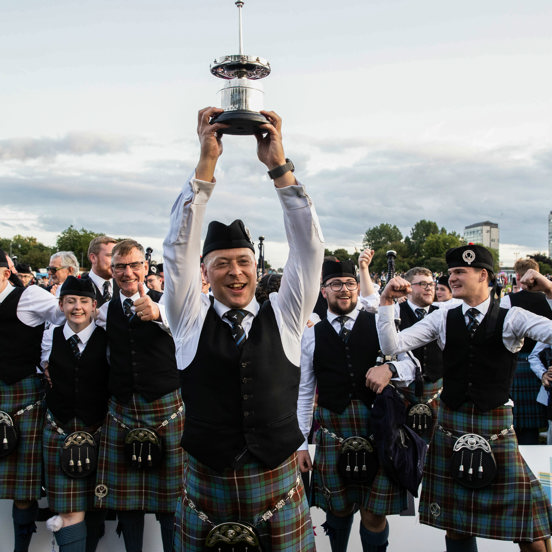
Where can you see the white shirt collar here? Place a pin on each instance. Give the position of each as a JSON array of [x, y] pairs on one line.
[[84, 335], [352, 315], [482, 307], [7, 290], [134, 297], [221, 309], [99, 281], [414, 307]]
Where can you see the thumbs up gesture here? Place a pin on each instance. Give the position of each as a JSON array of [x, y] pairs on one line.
[[146, 309]]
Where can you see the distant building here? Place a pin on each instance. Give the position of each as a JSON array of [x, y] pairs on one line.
[[484, 233], [550, 234]]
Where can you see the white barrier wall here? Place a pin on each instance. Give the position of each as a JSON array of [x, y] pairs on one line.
[[406, 533]]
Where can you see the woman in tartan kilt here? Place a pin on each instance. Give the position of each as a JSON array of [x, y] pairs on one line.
[[473, 495], [74, 359], [23, 312]]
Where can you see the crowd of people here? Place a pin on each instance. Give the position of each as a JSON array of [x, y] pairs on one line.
[[192, 390]]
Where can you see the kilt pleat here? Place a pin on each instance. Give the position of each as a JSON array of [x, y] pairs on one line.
[[21, 471], [64, 493], [512, 508], [528, 413], [328, 491], [126, 488], [244, 495]]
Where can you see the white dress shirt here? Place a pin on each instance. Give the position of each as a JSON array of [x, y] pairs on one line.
[[539, 368], [518, 323], [187, 307], [406, 372], [36, 306], [48, 336]]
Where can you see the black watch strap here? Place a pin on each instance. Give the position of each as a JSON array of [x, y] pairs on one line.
[[393, 369], [276, 172]]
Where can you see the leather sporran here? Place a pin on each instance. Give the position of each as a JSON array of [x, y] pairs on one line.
[[472, 464], [358, 460], [8, 434], [419, 418], [79, 455], [143, 448], [233, 536]]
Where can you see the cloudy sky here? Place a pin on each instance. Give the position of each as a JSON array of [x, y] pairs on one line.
[[394, 111]]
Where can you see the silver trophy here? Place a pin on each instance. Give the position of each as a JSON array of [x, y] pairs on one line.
[[241, 97]]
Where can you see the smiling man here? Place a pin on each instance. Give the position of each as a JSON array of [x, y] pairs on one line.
[[240, 360], [464, 490], [144, 389], [62, 264]]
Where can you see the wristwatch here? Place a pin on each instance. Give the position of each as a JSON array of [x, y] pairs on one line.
[[276, 172], [394, 372]]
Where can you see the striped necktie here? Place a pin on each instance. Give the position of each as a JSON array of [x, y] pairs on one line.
[[127, 304], [106, 296], [420, 313], [343, 332], [74, 341], [236, 316], [472, 321]]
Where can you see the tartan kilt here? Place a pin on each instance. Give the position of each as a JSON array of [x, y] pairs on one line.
[[120, 487], [512, 508], [528, 413], [21, 471], [65, 494], [328, 491], [430, 389], [244, 495]]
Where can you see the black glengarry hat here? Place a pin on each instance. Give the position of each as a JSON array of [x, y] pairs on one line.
[[78, 286], [472, 255], [444, 281], [222, 236], [338, 269]]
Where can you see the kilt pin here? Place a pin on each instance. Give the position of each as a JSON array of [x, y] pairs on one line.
[[120, 487], [328, 491], [21, 471], [64, 493], [513, 507], [244, 495]]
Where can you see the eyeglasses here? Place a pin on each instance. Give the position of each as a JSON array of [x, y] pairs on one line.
[[337, 285], [425, 285], [54, 269], [121, 267]]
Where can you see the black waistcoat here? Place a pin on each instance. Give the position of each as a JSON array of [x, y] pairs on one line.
[[340, 368], [241, 399], [535, 302], [478, 369], [79, 387], [141, 355], [19, 343], [430, 355]]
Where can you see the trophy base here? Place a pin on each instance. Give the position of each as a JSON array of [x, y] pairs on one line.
[[241, 122]]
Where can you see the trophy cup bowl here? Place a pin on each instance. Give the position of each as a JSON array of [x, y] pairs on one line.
[[241, 97]]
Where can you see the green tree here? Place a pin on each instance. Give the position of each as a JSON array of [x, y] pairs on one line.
[[342, 254], [28, 250], [381, 236], [545, 263], [419, 234], [436, 245], [76, 241]]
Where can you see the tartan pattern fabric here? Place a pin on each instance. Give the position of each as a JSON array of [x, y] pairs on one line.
[[473, 323], [21, 471], [64, 494], [381, 497], [528, 412], [133, 489], [244, 495], [512, 508]]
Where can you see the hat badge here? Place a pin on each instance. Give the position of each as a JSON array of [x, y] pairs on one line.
[[468, 256]]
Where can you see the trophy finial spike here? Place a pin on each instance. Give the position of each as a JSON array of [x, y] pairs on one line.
[[239, 3]]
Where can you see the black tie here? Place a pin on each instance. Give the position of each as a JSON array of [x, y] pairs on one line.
[[236, 316], [420, 313], [127, 303], [343, 332], [472, 321], [106, 292], [74, 341]]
